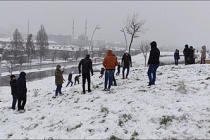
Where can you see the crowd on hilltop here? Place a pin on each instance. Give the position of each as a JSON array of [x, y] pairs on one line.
[[190, 56], [110, 63]]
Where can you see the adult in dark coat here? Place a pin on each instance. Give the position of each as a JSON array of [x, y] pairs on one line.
[[70, 79], [13, 85], [127, 63], [191, 55], [58, 79], [176, 57], [186, 54], [86, 64], [21, 91], [153, 63]]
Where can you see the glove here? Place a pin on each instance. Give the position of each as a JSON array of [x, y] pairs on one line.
[[92, 74], [117, 73]]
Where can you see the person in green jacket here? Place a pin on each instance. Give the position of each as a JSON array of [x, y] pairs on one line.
[[58, 80]]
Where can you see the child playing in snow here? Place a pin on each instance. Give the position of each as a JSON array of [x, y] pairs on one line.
[[76, 79], [102, 72]]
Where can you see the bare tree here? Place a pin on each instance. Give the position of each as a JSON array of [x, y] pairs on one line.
[[65, 56], [30, 48], [133, 27], [14, 50], [42, 43], [21, 59], [144, 47]]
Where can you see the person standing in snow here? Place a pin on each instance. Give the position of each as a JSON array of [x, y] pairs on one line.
[[87, 68], [186, 54], [127, 63], [153, 63], [58, 80], [21, 91], [109, 63], [176, 56], [70, 79], [192, 55], [13, 85], [203, 55], [114, 80]]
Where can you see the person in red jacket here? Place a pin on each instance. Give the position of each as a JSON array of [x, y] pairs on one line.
[[109, 63]]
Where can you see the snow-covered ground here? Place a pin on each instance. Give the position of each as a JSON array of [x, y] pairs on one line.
[[178, 107]]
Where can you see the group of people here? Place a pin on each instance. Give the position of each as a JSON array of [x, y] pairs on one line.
[[189, 55], [110, 62], [18, 91]]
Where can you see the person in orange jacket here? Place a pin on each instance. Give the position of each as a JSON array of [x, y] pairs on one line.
[[109, 63]]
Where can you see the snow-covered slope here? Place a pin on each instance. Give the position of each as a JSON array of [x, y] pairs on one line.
[[178, 107]]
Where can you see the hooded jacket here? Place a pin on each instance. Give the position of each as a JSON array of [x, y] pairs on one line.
[[110, 61], [126, 60], [154, 55], [58, 75], [186, 51], [86, 64], [21, 85]]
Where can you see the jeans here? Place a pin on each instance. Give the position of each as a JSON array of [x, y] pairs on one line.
[[58, 90], [152, 73], [176, 61], [125, 67], [69, 83], [21, 103], [14, 101], [84, 77], [109, 75]]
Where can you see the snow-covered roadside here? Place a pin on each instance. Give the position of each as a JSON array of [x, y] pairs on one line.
[[176, 107]]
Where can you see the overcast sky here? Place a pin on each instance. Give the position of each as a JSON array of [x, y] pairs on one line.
[[172, 23]]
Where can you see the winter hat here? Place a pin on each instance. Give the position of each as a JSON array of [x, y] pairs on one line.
[[153, 44], [12, 76], [87, 56], [23, 74]]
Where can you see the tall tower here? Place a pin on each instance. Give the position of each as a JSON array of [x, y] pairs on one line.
[[86, 30], [73, 30], [28, 26]]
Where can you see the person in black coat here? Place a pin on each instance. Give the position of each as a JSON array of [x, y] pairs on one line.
[[70, 79], [186, 54], [153, 63], [192, 55], [13, 85], [127, 63], [21, 91], [86, 64], [176, 56]]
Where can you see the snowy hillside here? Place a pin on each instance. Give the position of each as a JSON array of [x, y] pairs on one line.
[[178, 107]]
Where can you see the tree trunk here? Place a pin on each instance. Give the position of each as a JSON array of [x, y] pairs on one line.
[[130, 43]]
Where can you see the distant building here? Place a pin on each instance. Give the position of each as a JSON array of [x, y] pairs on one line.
[[60, 39]]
